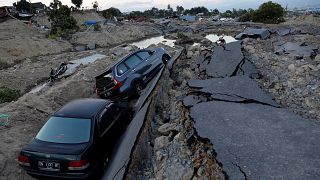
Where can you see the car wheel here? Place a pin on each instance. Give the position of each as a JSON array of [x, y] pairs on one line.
[[165, 58], [138, 88]]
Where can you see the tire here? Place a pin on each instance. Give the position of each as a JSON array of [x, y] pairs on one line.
[[165, 58], [138, 87]]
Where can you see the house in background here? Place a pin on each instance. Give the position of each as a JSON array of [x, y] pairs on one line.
[[39, 8], [188, 18]]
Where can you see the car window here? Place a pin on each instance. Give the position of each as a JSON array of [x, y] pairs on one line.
[[133, 61], [65, 130], [121, 68], [143, 55]]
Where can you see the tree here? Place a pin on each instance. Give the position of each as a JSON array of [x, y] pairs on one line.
[[23, 5], [215, 12], [268, 12], [62, 23], [95, 5], [77, 3], [197, 10], [111, 12], [180, 9]]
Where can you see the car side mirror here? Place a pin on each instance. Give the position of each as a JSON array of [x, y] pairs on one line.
[[151, 52]]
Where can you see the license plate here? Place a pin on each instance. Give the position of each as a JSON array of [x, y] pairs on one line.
[[49, 166]]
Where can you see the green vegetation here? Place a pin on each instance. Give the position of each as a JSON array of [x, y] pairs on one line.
[[169, 12], [111, 12], [269, 12], [77, 3], [23, 5], [95, 5], [234, 13], [8, 95], [97, 27], [197, 10], [62, 23]]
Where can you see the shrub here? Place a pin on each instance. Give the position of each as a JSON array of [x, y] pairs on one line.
[[269, 12], [97, 27], [111, 12], [8, 95]]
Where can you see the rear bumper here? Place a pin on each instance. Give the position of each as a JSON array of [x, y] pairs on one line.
[[58, 175]]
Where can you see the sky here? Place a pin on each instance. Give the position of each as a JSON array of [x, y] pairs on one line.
[[222, 5]]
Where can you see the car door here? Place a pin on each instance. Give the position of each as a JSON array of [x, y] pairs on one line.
[[149, 63], [107, 125]]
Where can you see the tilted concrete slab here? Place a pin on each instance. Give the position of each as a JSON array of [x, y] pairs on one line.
[[297, 49], [236, 89], [224, 62], [254, 141]]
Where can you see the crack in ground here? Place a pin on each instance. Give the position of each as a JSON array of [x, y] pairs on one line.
[[238, 67], [242, 171], [237, 165], [209, 97], [207, 141]]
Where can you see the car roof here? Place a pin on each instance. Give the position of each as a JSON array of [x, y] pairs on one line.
[[82, 108]]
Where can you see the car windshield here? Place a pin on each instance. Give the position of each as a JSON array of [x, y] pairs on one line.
[[65, 130]]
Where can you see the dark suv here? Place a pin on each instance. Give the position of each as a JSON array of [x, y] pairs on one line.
[[76, 140], [131, 74]]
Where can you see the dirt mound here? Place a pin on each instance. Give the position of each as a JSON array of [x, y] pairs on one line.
[[19, 41], [114, 35], [308, 19], [81, 17]]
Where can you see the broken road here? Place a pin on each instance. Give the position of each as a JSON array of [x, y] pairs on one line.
[[252, 136]]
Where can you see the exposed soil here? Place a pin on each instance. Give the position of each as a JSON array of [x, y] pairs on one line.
[[20, 41]]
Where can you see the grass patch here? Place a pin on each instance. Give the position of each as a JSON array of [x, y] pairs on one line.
[[8, 95]]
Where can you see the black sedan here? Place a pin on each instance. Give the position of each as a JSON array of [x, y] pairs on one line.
[[76, 140]]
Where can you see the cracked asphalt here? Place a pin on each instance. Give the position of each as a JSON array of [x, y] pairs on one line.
[[254, 137]]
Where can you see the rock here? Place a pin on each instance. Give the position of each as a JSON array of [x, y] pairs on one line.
[[161, 142], [201, 171], [310, 102], [91, 46], [194, 48], [80, 48], [178, 171], [291, 67], [317, 58], [290, 84], [166, 128], [189, 54]]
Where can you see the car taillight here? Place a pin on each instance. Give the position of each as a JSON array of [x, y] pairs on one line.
[[78, 165], [118, 84], [23, 160]]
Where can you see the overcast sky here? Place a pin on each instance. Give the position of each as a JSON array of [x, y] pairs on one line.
[[222, 5]]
